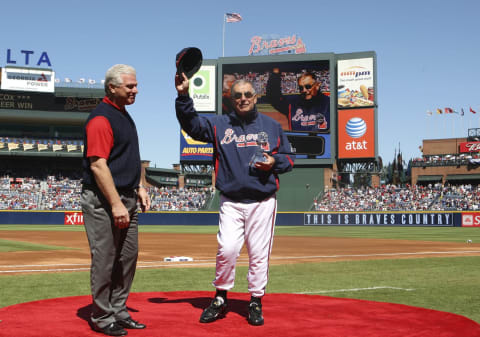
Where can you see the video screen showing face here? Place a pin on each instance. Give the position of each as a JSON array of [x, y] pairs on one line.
[[295, 93]]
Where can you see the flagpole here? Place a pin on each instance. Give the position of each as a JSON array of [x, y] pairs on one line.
[[428, 129], [223, 37], [462, 130], [453, 127]]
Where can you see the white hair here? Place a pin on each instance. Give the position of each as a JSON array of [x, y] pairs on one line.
[[113, 75]]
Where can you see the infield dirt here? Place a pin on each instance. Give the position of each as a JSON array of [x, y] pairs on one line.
[[154, 247]]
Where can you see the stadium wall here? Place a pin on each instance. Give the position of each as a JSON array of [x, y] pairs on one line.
[[299, 188], [414, 219]]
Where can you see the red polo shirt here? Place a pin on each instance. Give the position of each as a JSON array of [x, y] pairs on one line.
[[100, 135]]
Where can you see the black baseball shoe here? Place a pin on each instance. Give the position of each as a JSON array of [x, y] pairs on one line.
[[255, 316], [113, 329], [129, 323], [215, 310]]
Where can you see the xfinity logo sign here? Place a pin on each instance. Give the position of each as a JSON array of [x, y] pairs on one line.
[[73, 218], [26, 58]]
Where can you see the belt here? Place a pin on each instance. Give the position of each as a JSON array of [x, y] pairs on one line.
[[121, 190]]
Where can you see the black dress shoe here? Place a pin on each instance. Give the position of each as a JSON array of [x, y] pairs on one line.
[[129, 323], [113, 329]]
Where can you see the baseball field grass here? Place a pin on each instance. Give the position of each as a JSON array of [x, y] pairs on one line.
[[441, 283]]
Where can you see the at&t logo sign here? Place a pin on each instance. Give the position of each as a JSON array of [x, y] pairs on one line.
[[356, 128]]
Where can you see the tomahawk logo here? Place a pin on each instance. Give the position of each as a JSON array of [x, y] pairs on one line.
[[73, 218]]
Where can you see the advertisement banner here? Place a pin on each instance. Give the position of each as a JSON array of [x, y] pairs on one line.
[[356, 133], [25, 79], [355, 83], [202, 89], [194, 150], [469, 147], [379, 219], [73, 218], [470, 219]]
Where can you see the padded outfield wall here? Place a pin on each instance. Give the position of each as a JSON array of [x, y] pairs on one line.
[[420, 219]]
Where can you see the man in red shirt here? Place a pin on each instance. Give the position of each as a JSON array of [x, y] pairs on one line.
[[111, 190]]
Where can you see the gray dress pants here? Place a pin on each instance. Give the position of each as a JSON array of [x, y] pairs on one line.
[[114, 255]]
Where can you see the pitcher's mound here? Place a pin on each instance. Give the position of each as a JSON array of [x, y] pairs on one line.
[[177, 314]]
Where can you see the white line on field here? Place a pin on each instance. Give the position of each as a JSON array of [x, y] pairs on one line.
[[42, 270], [207, 262], [352, 289], [169, 264], [377, 254]]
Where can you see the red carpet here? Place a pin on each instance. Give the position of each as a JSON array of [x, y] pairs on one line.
[[177, 314]]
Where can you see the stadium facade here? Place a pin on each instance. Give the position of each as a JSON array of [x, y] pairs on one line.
[[448, 161]]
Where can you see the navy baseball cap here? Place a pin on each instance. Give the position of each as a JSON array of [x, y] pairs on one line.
[[189, 61]]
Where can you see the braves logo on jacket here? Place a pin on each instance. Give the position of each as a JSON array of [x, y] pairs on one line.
[[250, 139]]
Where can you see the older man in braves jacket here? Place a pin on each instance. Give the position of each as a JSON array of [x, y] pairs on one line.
[[250, 150]]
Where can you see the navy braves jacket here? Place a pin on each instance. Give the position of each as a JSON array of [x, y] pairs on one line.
[[235, 142]]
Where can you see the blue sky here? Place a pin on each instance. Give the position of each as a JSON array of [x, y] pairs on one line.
[[427, 54]]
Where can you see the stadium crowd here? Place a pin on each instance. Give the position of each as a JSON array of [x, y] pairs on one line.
[[181, 199], [61, 193], [289, 83], [393, 198]]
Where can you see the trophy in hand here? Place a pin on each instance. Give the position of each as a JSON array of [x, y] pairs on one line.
[[262, 141]]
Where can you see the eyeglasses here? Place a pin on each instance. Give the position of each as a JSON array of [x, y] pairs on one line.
[[239, 95], [306, 86]]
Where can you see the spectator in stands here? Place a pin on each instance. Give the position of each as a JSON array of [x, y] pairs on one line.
[[109, 201]]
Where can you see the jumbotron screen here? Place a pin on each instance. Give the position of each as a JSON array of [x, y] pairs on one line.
[[292, 89]]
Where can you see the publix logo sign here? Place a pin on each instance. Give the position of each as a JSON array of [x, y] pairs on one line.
[[356, 128]]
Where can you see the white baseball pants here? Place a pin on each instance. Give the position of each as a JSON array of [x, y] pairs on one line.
[[250, 223]]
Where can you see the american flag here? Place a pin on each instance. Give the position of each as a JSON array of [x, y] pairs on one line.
[[233, 17]]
